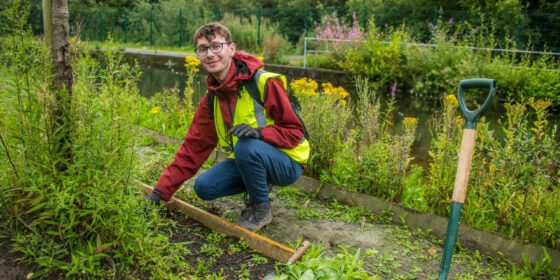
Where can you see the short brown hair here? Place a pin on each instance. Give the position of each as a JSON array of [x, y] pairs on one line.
[[210, 30]]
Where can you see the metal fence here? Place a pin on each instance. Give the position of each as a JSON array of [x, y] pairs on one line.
[[174, 26], [324, 46]]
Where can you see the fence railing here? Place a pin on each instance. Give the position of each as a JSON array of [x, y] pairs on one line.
[[175, 25], [327, 42]]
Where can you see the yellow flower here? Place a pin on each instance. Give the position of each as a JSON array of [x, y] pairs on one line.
[[339, 92], [305, 86], [260, 57], [191, 63], [451, 101], [410, 122], [155, 110]]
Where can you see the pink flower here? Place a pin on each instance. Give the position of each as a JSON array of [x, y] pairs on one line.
[[394, 90]]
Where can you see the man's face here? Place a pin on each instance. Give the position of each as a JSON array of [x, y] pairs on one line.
[[215, 55]]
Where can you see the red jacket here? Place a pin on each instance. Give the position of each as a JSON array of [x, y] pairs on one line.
[[201, 138]]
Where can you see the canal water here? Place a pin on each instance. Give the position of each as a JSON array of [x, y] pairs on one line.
[[408, 105]]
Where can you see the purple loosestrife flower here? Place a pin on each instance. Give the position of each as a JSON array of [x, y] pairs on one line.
[[332, 27], [450, 20], [394, 90]]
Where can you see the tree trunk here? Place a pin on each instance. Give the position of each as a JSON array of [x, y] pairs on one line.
[[56, 28]]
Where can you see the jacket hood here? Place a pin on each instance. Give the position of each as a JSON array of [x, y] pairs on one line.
[[243, 67]]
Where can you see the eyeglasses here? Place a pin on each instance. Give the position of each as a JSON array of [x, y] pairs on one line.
[[215, 47]]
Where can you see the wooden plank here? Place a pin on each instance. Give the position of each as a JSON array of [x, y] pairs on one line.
[[266, 246]]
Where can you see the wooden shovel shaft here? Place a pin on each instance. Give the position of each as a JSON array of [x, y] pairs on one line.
[[464, 165], [267, 247], [459, 194]]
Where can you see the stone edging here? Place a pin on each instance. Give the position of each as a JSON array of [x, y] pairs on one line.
[[486, 242], [166, 60]]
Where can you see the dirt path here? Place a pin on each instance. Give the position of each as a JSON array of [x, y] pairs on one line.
[[389, 251]]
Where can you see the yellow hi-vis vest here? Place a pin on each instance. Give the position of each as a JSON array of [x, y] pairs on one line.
[[251, 112]]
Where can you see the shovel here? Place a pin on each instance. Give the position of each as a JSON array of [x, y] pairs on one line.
[[464, 165]]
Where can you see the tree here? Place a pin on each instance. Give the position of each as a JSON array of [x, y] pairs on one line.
[[55, 23]]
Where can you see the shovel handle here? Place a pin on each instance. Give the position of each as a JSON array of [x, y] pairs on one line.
[[464, 165], [473, 117]]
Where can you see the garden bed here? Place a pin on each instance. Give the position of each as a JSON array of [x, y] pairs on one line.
[[387, 250]]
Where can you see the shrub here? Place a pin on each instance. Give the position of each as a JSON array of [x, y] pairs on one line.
[[80, 221], [373, 58], [244, 31]]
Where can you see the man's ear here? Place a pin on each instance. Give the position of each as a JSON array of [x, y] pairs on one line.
[[232, 46]]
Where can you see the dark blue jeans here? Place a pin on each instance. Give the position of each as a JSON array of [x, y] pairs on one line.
[[256, 164]]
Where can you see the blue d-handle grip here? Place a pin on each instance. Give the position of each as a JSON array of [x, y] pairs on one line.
[[473, 117]]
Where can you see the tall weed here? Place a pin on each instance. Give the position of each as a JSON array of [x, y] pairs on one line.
[[326, 116], [446, 139], [514, 193], [373, 160]]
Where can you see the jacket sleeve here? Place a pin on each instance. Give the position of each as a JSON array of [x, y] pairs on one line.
[[199, 142], [287, 131]]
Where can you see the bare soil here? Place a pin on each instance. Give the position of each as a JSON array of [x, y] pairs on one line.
[[229, 263], [10, 266]]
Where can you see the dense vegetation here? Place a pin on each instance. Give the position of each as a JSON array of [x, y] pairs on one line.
[[87, 221], [276, 34]]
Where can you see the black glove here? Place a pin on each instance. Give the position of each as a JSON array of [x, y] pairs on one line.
[[152, 197], [245, 131]]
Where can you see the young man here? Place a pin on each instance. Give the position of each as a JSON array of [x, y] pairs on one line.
[[265, 136]]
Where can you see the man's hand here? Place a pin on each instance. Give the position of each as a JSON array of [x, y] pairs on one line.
[[245, 131], [152, 197]]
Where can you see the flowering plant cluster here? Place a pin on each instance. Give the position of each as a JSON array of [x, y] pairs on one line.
[[308, 87], [329, 89], [332, 27], [192, 63], [304, 86]]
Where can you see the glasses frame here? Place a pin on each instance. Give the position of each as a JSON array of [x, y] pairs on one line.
[[205, 52]]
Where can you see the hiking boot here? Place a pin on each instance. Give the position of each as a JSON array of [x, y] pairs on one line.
[[255, 216], [262, 217], [247, 215]]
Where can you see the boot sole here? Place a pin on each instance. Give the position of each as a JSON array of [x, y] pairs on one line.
[[263, 224]]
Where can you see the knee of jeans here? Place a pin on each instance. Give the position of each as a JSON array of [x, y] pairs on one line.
[[201, 188], [244, 148]]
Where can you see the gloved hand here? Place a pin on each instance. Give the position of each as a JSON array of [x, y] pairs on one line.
[[152, 197], [245, 131]]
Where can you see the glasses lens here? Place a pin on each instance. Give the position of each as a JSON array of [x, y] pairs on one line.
[[216, 47], [201, 50]]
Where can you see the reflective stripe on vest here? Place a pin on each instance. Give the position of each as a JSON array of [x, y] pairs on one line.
[[251, 112]]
